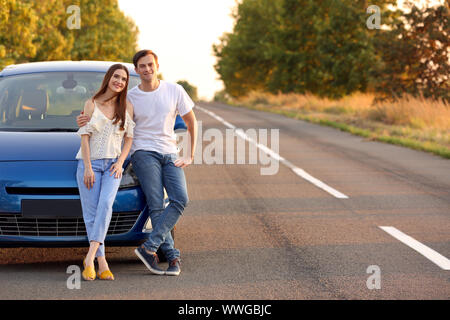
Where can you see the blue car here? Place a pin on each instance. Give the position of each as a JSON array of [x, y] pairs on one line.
[[39, 200]]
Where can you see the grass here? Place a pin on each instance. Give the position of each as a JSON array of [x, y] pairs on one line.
[[415, 123]]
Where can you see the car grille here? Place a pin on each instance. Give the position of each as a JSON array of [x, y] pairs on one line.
[[16, 225]]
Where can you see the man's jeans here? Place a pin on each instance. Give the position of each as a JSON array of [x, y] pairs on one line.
[[156, 171]]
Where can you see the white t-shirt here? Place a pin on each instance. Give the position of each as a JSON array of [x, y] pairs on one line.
[[155, 113]]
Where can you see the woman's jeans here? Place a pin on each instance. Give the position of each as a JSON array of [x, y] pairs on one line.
[[97, 202], [155, 172]]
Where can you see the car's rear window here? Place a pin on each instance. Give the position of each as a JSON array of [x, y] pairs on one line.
[[47, 101]]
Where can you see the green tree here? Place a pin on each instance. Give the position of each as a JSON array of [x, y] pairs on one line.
[[416, 55], [244, 57], [37, 31], [318, 46], [105, 33], [50, 41], [293, 48], [17, 29], [190, 89]]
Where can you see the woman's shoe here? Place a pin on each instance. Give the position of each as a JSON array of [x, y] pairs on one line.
[[88, 273], [105, 275]]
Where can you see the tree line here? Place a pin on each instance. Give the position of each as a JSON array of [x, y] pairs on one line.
[[40, 30], [326, 48]]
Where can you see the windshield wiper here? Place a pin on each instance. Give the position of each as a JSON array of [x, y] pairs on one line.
[[54, 130]]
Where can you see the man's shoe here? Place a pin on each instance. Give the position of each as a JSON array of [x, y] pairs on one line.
[[174, 268], [150, 260]]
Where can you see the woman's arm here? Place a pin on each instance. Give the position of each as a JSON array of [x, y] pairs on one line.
[[117, 168], [84, 118], [89, 177], [130, 109]]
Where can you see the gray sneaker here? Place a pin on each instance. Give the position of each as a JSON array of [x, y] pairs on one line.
[[174, 268]]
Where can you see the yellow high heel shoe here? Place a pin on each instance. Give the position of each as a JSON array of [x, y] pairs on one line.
[[88, 273], [105, 275]]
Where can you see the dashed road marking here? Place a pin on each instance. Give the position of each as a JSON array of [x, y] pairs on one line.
[[427, 252], [298, 171]]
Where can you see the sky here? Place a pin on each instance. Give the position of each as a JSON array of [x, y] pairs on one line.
[[181, 33]]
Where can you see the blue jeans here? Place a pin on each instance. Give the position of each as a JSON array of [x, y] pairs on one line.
[[156, 171], [97, 202]]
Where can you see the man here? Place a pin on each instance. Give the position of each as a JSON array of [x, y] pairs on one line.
[[154, 156]]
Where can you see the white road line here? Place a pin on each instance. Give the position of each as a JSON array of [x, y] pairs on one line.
[[429, 253], [302, 173], [298, 171]]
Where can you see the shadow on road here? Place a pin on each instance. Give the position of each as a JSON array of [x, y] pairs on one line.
[[49, 256]]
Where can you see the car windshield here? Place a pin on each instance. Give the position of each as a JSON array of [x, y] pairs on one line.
[[47, 101]]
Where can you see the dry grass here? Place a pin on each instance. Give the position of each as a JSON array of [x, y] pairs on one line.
[[421, 123]]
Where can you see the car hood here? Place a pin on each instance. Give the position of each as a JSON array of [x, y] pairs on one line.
[[38, 146]]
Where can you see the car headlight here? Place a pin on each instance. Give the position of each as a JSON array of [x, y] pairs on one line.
[[129, 178]]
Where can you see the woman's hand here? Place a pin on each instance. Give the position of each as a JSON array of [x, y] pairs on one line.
[[117, 169], [89, 178]]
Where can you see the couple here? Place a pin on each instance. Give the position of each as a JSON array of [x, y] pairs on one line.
[[108, 134]]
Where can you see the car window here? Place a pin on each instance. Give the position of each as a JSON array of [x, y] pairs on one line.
[[48, 100]]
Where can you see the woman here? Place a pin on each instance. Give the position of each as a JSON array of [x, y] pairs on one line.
[[100, 162]]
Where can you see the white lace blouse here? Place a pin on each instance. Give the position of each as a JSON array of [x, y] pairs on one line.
[[106, 137]]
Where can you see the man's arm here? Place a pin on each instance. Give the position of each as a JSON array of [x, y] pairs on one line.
[[191, 123]]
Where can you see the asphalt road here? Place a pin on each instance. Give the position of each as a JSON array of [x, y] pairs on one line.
[[246, 235]]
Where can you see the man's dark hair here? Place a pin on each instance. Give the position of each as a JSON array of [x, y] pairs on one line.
[[143, 53]]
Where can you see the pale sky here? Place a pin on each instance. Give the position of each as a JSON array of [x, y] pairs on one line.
[[181, 33]]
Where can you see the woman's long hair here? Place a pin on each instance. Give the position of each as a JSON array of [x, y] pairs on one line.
[[121, 102]]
